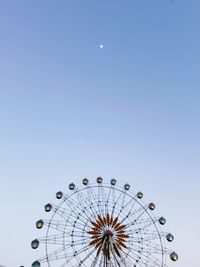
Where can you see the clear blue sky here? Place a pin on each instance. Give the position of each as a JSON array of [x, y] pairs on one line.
[[69, 109]]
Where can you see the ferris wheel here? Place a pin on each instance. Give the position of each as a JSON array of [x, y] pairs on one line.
[[102, 225]]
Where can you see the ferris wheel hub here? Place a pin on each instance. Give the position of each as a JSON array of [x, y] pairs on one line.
[[108, 233]]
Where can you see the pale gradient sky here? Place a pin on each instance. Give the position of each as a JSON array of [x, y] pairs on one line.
[[69, 109]]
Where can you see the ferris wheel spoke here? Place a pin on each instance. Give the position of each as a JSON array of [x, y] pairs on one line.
[[115, 203], [142, 213], [122, 205], [151, 259], [86, 257], [152, 247], [55, 255], [144, 226], [116, 256], [77, 209], [64, 213], [95, 197], [142, 222], [61, 226], [152, 237], [147, 236], [101, 197], [146, 247], [74, 207], [69, 215], [54, 240], [147, 255], [92, 198], [149, 247], [84, 200], [104, 197], [67, 262], [134, 256], [135, 214], [84, 248], [138, 259], [56, 225], [119, 260], [107, 200], [147, 220], [147, 233], [65, 257], [78, 252], [130, 210], [135, 248]]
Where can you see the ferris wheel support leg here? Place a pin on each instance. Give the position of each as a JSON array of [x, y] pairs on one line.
[[98, 254], [115, 256]]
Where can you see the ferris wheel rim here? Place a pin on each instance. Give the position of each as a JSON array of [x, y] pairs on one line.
[[120, 191]]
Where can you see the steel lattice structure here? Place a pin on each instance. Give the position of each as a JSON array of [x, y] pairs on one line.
[[102, 225]]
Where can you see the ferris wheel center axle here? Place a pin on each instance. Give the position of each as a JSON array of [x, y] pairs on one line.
[[108, 233]]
